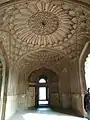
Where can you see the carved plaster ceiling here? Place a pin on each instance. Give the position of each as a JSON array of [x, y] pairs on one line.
[[40, 24], [41, 58], [27, 26]]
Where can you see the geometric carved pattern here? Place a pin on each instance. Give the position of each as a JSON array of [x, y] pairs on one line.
[[40, 24], [28, 26], [43, 23], [41, 58]]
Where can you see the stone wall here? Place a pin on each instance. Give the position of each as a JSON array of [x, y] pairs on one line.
[[66, 100], [64, 89], [30, 96], [19, 96], [12, 94], [77, 103], [11, 106], [54, 100]]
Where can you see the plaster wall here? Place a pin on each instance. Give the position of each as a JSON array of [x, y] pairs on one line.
[[17, 99], [64, 90], [70, 87], [76, 94], [12, 98]]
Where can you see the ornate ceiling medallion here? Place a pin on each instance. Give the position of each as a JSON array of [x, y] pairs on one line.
[[43, 23], [40, 24]]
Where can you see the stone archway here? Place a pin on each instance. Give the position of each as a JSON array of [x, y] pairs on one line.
[[52, 85]]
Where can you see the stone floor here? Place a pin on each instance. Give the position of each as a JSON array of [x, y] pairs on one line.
[[44, 114]]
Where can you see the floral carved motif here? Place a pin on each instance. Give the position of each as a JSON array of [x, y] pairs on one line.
[[43, 23], [30, 25], [40, 24]]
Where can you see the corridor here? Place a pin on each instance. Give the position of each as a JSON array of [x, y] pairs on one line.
[[44, 114]]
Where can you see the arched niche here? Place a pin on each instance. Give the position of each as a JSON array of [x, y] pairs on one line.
[[41, 73], [4, 80]]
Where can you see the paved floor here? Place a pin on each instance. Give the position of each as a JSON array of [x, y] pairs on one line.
[[44, 114]]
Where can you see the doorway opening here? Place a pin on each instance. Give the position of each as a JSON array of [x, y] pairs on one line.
[[43, 93], [42, 96], [87, 71]]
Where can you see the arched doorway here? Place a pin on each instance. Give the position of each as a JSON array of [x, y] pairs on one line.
[[43, 81], [43, 91]]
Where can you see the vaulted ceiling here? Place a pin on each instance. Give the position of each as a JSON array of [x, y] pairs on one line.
[[36, 32]]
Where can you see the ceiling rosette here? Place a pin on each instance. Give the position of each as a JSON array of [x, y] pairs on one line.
[[40, 23]]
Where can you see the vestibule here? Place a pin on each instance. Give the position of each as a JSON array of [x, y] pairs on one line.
[[43, 48]]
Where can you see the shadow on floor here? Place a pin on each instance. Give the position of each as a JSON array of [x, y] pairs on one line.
[[66, 111]]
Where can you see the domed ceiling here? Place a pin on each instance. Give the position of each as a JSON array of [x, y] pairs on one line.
[[41, 24], [32, 25]]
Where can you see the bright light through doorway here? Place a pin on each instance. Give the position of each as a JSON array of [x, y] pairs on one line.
[[87, 71], [42, 96], [42, 93], [42, 81]]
